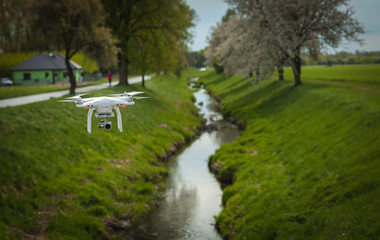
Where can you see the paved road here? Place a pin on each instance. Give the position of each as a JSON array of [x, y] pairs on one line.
[[17, 101]]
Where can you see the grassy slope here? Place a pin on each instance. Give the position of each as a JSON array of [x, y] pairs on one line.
[[57, 181], [307, 164]]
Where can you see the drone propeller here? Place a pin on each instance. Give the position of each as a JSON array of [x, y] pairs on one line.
[[133, 93], [76, 99], [125, 94], [137, 98], [78, 96], [67, 100]]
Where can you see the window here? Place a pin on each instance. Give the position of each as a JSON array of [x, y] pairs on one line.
[[46, 75], [26, 76], [65, 75]]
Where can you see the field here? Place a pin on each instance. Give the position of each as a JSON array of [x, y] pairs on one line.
[[360, 77], [344, 73], [306, 165], [58, 182]]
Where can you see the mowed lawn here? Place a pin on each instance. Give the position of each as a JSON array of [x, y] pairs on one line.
[[307, 163], [360, 74]]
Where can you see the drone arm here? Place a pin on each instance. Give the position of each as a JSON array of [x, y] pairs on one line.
[[119, 122], [90, 111]]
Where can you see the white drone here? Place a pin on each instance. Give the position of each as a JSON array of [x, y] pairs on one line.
[[104, 107]]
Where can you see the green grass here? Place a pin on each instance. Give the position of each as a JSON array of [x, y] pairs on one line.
[[359, 74], [307, 163], [58, 182], [24, 90]]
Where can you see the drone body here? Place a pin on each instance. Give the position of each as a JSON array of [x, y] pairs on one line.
[[104, 107]]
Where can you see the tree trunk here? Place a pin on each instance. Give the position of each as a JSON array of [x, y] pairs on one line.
[[122, 64], [70, 73], [143, 78], [126, 71], [280, 70], [296, 66]]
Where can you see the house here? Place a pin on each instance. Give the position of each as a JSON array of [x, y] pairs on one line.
[[44, 69]]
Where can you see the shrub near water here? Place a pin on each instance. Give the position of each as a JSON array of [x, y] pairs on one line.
[[306, 165], [56, 181]]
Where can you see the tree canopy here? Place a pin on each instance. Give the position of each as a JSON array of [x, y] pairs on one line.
[[15, 29], [276, 31], [149, 31], [71, 25], [148, 35]]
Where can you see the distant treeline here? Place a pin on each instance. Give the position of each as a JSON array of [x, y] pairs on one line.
[[197, 59], [359, 57]]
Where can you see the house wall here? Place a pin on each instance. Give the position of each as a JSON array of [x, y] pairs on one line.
[[35, 77], [39, 77], [77, 73]]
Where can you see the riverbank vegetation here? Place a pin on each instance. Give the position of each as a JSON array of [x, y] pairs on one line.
[[342, 57], [306, 165], [58, 182], [270, 36]]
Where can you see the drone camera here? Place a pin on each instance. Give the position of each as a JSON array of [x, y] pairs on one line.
[[106, 125]]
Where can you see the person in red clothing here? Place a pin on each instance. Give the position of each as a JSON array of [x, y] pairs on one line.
[[109, 76]]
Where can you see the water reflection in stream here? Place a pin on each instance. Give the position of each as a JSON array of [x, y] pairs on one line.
[[192, 196]]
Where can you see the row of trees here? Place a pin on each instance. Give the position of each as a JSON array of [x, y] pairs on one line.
[[259, 35], [197, 59], [149, 35], [156, 31]]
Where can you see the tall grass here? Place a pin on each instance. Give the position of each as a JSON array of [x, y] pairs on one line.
[[58, 182], [306, 165]]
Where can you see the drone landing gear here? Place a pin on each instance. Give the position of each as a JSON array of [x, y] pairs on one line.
[[89, 115], [104, 124], [119, 122]]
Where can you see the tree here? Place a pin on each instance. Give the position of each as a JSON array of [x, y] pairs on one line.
[[145, 51], [238, 48], [68, 24], [102, 48], [161, 24], [15, 29], [11, 30], [296, 24]]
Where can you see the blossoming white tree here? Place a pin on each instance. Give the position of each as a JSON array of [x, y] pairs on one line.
[[277, 30]]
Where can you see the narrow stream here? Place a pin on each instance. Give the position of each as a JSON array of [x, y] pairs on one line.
[[192, 196]]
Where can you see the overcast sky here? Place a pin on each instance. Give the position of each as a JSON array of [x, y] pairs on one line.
[[210, 12]]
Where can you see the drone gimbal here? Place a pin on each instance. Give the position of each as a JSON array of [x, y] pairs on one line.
[[103, 123]]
